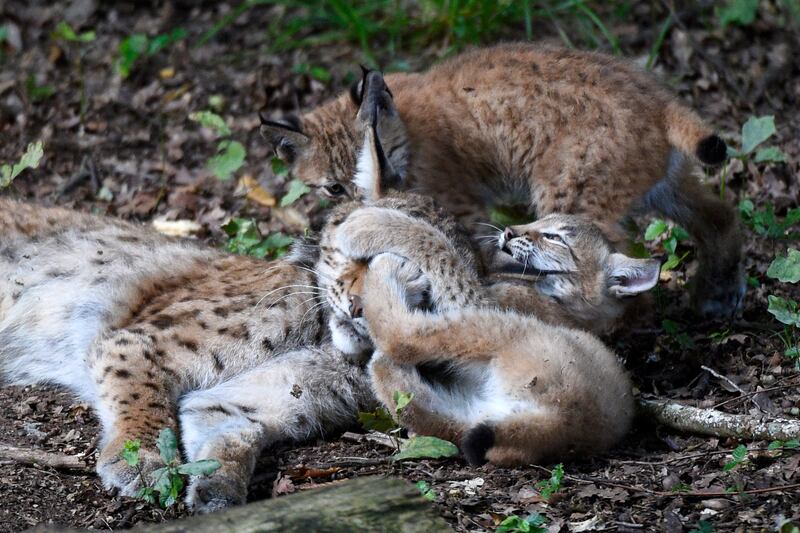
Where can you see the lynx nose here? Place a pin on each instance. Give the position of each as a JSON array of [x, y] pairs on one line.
[[356, 309], [508, 234]]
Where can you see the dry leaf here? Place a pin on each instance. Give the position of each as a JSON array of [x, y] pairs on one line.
[[176, 228], [256, 192]]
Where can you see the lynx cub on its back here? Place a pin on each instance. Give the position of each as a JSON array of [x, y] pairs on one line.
[[563, 130]]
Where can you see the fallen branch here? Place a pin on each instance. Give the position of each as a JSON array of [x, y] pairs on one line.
[[719, 424], [58, 461]]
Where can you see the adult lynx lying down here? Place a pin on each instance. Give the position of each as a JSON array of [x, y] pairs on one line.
[[564, 131]]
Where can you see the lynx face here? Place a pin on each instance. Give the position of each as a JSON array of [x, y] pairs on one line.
[[570, 260]]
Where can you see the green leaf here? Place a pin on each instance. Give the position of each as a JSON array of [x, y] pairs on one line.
[[279, 167], [275, 245], [510, 215], [741, 12], [670, 326], [425, 447], [784, 310], [775, 445], [209, 119], [786, 269], [679, 233], [378, 420], [130, 453], [739, 455], [673, 261], [517, 524], [230, 157], [401, 400], [702, 527], [167, 445], [773, 154], [656, 228], [160, 480], [147, 494], [204, 467], [296, 189], [637, 249], [37, 92], [755, 131], [65, 32], [130, 49], [671, 244], [164, 40], [791, 444], [553, 485], [746, 208], [30, 159], [426, 490]]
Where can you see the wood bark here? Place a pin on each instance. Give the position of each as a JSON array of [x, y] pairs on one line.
[[719, 424], [364, 504], [30, 456]]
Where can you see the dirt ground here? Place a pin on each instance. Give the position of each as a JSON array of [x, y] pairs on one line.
[[127, 148]]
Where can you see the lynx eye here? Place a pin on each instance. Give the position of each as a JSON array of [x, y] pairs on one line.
[[555, 237], [334, 189]]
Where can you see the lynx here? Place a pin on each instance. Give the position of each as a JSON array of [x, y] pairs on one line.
[[158, 333], [507, 387], [563, 131]]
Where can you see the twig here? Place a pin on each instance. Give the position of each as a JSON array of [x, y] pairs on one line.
[[719, 424], [373, 436], [353, 462], [724, 378], [753, 393], [58, 461]]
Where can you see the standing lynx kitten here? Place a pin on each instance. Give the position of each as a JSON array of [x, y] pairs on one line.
[[563, 130]]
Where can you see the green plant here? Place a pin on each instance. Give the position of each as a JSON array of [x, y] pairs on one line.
[[417, 447], [30, 159], [533, 523], [65, 32], [296, 189], [137, 45], [754, 133], [766, 223], [787, 311], [36, 92], [551, 486], [245, 239], [670, 236], [166, 481], [510, 215], [673, 329], [230, 154], [702, 527], [738, 457], [426, 490], [780, 445]]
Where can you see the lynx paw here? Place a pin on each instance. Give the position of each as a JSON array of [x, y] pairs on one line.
[[115, 473], [214, 493], [719, 298]]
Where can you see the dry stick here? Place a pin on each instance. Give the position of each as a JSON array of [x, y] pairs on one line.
[[58, 461], [753, 393], [719, 424]]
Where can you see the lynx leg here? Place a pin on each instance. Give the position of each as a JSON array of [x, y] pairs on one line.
[[136, 401], [719, 284], [389, 377]]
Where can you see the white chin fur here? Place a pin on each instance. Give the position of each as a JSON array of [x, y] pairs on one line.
[[346, 339]]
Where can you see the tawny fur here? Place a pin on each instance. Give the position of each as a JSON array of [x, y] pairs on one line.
[[542, 392], [564, 131]]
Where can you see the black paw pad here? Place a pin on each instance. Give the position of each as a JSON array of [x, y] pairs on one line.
[[476, 443]]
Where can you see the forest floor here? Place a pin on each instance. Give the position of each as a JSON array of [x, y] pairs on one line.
[[126, 148]]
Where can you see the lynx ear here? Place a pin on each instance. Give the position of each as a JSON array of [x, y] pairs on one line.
[[357, 88], [285, 136], [371, 166], [628, 276], [383, 157]]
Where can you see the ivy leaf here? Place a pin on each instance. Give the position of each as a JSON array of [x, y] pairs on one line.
[[773, 154], [230, 157], [784, 310], [209, 119], [786, 269], [424, 447], [656, 228], [276, 245], [378, 420], [204, 467], [757, 130], [296, 189], [167, 445], [130, 453], [741, 12], [130, 49]]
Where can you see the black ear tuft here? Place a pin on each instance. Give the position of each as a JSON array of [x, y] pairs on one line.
[[712, 150], [357, 87], [476, 443]]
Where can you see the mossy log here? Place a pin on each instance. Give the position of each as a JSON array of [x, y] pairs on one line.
[[366, 504]]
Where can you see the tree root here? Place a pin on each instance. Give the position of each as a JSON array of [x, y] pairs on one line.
[[58, 461], [719, 424]]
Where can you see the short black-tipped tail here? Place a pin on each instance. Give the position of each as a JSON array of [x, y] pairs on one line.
[[476, 443], [712, 150]]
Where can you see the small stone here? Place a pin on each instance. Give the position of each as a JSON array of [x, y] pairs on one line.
[[716, 504]]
